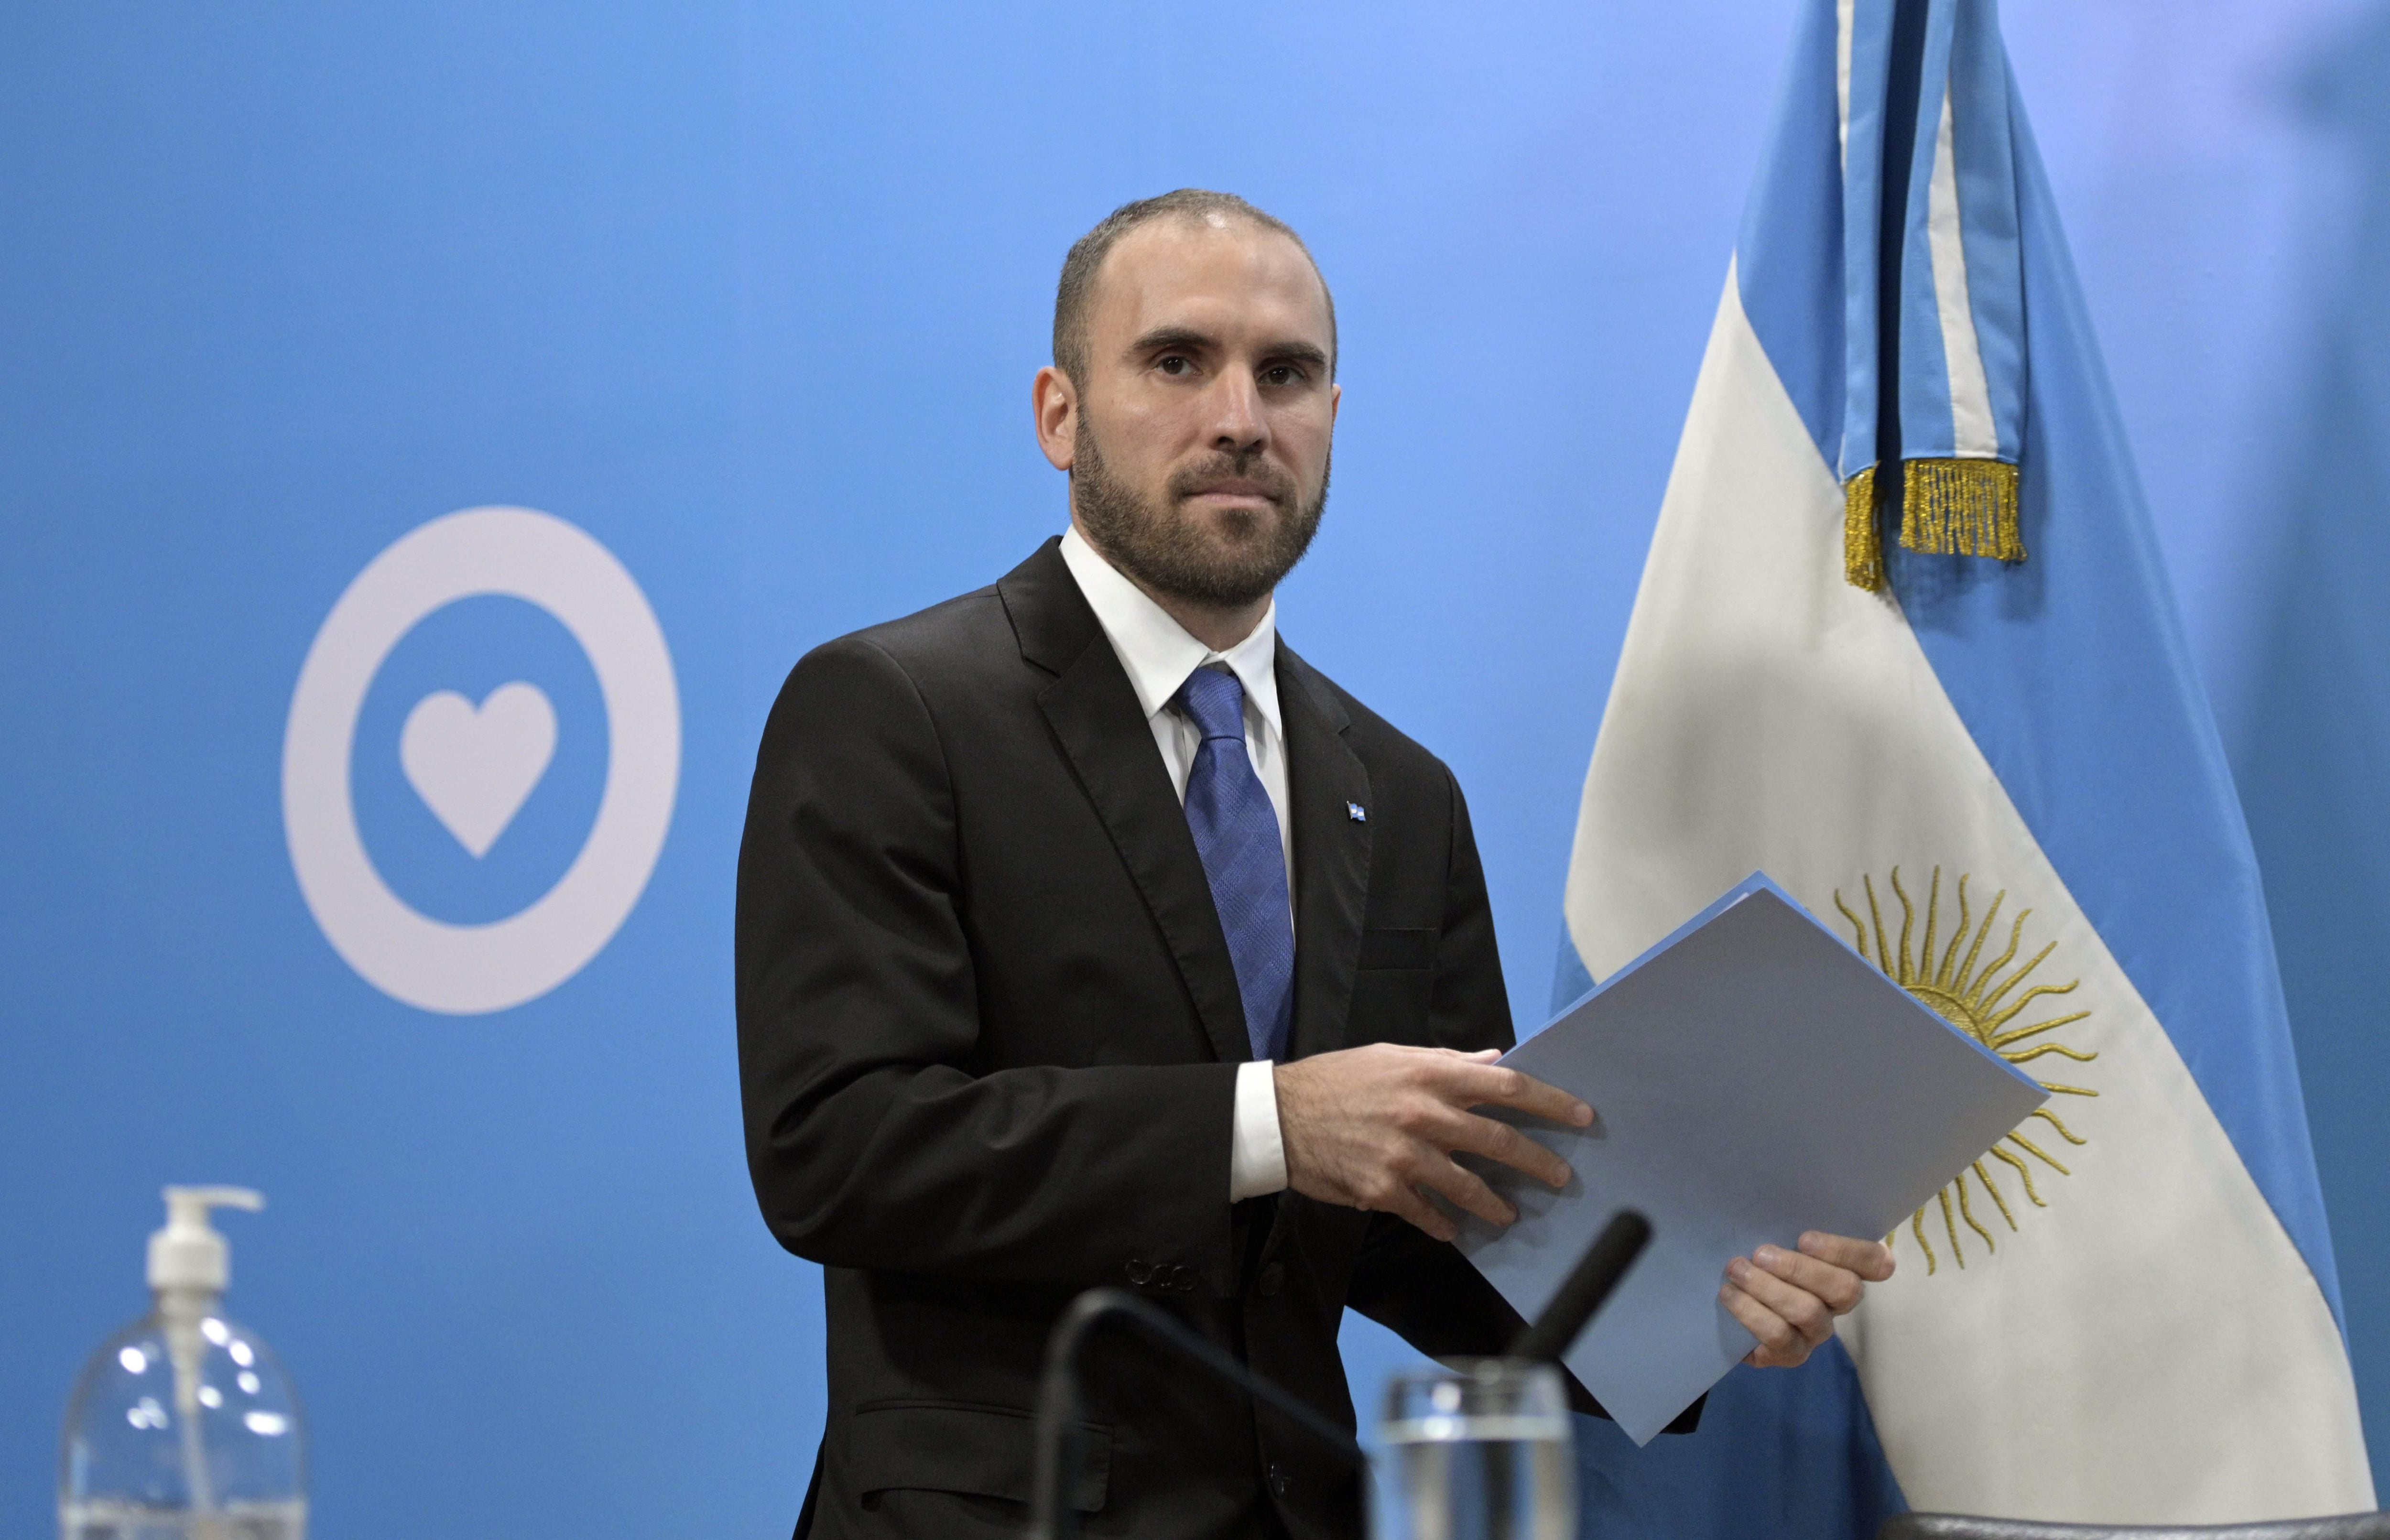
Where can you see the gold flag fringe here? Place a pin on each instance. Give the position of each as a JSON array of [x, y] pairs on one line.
[[1960, 508], [1862, 543], [1948, 507]]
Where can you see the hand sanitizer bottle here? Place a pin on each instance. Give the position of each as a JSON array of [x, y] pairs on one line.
[[183, 1426]]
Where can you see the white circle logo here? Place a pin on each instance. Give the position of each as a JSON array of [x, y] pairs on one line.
[[474, 765]]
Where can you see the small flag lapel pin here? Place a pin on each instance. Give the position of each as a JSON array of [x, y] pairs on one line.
[[1355, 812]]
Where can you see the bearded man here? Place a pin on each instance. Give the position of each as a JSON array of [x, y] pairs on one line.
[[1088, 935]]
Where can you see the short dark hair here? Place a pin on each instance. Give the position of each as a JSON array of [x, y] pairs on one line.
[[1087, 254]]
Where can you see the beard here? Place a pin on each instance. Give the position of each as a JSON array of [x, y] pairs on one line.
[[1235, 562]]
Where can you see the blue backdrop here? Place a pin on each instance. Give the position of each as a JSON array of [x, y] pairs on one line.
[[752, 294]]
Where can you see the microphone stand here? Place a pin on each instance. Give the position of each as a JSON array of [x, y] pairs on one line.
[[1055, 1442]]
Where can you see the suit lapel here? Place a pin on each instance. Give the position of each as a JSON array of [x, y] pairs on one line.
[[1097, 720], [1324, 780]]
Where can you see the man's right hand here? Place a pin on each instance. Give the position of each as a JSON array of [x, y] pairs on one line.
[[1375, 1128]]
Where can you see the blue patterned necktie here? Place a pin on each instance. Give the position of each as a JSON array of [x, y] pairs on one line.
[[1236, 833]]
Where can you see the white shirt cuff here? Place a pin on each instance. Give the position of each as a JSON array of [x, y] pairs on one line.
[[1256, 1156]]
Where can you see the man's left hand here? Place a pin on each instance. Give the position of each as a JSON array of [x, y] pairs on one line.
[[1789, 1300]]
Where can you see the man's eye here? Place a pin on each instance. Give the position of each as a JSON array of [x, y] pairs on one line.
[[1282, 374], [1177, 363]]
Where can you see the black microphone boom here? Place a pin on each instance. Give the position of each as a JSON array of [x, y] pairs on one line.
[[1055, 1447], [1595, 1274], [1055, 1439]]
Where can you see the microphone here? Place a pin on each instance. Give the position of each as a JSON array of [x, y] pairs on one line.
[[1055, 1439], [1588, 1284]]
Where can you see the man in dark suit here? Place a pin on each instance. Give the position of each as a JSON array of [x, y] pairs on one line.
[[1087, 935]]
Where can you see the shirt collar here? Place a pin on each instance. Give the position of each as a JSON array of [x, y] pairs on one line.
[[1156, 650]]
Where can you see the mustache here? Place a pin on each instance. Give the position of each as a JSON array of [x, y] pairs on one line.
[[1273, 480]]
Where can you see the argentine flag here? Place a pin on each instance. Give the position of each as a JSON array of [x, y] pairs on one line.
[[1904, 642]]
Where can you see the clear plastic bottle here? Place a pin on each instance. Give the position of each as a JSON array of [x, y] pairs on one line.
[[183, 1426]]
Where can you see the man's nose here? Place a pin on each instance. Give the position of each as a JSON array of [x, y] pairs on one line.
[[1235, 410]]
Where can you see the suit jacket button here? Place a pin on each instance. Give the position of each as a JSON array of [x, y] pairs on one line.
[[1281, 1480], [1273, 1279], [1139, 1273]]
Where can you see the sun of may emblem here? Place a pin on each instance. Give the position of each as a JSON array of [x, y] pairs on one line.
[[1977, 1002]]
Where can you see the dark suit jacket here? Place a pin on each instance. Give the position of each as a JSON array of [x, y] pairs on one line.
[[989, 1032]]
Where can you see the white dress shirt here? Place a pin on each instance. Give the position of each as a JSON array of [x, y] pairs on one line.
[[1158, 655]]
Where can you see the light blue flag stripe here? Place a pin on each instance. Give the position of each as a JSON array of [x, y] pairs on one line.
[[1781, 1453]]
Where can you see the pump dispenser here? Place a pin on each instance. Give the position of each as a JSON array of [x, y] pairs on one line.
[[183, 1426], [188, 1253]]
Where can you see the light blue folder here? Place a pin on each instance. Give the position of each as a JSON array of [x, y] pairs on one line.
[[1752, 1077]]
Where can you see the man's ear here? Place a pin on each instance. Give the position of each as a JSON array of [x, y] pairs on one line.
[[1055, 403]]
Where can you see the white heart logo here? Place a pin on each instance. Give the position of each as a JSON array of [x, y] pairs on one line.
[[474, 769]]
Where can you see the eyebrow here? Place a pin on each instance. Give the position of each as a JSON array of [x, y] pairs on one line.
[[1296, 352], [1188, 338], [1171, 336]]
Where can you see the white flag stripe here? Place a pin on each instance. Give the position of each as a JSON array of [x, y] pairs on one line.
[[2149, 1347], [1844, 13], [1971, 394]]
